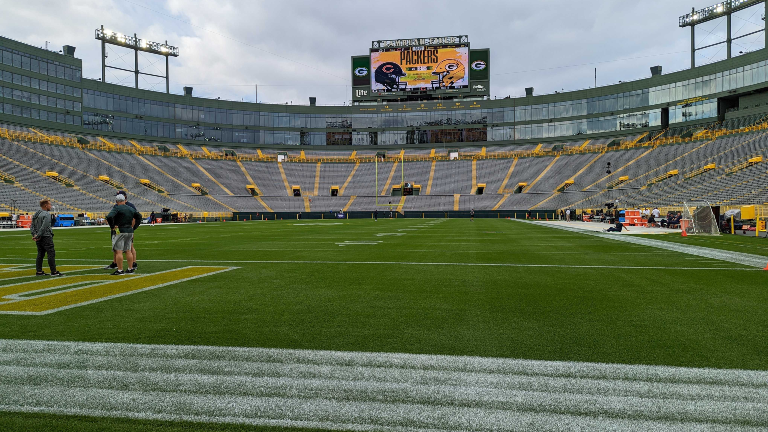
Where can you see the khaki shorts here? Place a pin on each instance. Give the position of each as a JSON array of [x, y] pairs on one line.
[[122, 242]]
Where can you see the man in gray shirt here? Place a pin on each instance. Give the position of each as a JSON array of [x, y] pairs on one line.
[[43, 237]]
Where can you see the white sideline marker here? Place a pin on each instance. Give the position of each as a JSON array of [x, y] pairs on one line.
[[371, 391]]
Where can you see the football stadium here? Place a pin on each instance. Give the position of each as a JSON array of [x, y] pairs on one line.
[[425, 257]]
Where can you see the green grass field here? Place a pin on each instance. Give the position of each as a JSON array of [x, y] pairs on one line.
[[489, 288]]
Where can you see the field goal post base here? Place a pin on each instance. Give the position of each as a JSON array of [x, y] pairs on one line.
[[701, 220]]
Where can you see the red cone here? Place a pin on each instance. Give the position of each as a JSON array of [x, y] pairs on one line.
[[685, 234], [766, 267]]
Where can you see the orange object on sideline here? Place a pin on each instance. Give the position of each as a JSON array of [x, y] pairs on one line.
[[685, 234], [766, 267]]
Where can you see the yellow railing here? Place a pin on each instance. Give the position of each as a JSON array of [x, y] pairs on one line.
[[7, 178], [656, 141]]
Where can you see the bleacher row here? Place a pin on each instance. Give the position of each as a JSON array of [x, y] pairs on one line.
[[445, 185]]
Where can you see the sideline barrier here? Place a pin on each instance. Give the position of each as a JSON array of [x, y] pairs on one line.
[[410, 214]]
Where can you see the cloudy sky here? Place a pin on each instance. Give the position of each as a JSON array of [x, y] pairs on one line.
[[294, 49]]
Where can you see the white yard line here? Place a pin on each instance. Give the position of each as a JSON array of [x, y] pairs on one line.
[[717, 254], [372, 391]]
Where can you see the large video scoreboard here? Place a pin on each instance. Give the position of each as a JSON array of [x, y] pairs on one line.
[[421, 69]]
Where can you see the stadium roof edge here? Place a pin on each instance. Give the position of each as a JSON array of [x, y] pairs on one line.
[[40, 52]]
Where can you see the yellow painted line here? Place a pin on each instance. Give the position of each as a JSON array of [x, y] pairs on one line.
[[545, 200], [250, 181], [205, 150], [261, 201], [109, 144], [401, 204], [181, 147], [389, 179], [146, 161], [353, 155], [10, 271], [624, 166], [538, 148], [349, 203], [285, 179], [581, 171], [248, 176], [509, 174], [211, 177], [341, 191], [542, 173], [133, 176], [306, 203], [8, 292], [474, 175], [261, 155], [585, 144], [190, 188], [317, 179], [456, 202], [431, 176], [118, 286], [135, 144], [501, 201], [432, 153]]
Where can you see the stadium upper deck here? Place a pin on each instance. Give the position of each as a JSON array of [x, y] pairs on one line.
[[45, 89]]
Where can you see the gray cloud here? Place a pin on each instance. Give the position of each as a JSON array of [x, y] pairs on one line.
[[294, 49]]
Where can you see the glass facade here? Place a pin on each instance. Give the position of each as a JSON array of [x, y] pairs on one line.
[[258, 124], [39, 114], [39, 65], [39, 99]]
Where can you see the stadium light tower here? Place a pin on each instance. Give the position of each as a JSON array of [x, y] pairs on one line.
[[136, 44], [722, 9]]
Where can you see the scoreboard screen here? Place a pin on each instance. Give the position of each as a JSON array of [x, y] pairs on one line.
[[420, 68], [407, 189]]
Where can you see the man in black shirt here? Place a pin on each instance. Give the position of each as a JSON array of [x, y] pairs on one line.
[[472, 215], [133, 248], [618, 228]]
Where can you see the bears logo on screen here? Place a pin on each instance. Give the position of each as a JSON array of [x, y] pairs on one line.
[[448, 72], [478, 65], [388, 74]]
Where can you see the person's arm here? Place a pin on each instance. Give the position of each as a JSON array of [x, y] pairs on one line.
[[111, 218], [45, 225], [32, 228], [136, 220]]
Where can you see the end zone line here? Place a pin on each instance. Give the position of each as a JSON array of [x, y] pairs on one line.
[[464, 264]]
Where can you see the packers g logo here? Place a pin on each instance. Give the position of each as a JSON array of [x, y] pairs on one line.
[[478, 65], [361, 71]]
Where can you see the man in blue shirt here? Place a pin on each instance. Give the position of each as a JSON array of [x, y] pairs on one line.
[[113, 266]]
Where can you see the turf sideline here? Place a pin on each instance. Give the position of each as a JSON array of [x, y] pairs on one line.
[[413, 263], [717, 254], [371, 391]]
